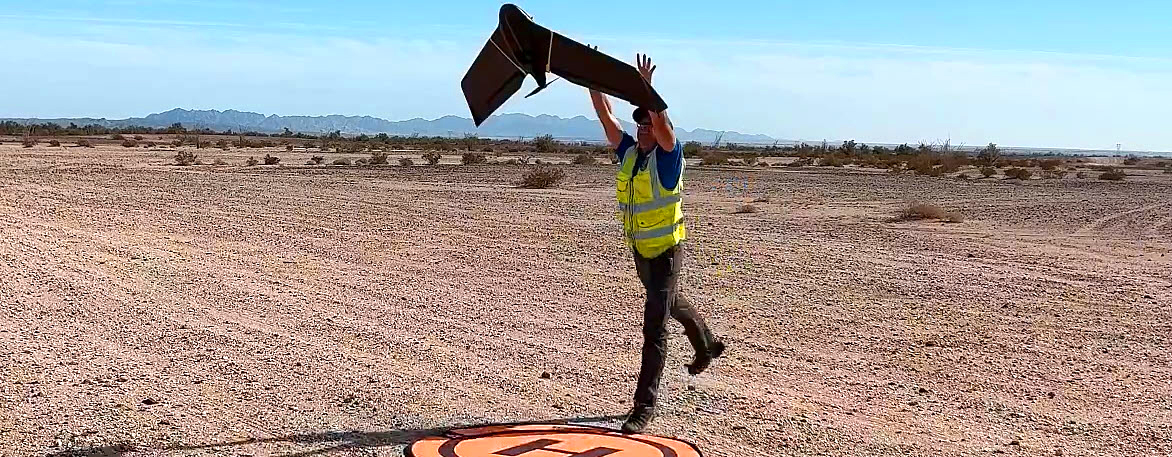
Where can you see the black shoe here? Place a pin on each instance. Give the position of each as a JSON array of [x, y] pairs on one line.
[[704, 359], [638, 419]]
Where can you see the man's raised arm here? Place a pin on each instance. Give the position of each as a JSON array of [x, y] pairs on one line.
[[610, 124], [661, 127]]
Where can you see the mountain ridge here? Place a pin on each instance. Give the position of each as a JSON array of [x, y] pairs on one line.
[[511, 125]]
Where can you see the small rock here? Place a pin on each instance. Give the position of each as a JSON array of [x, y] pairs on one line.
[[922, 391], [691, 387], [913, 403], [121, 379], [1149, 297], [545, 375], [1051, 395], [1015, 443], [149, 401]]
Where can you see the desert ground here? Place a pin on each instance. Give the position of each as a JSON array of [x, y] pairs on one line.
[[151, 309]]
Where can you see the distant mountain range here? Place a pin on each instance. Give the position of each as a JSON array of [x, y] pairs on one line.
[[579, 128]]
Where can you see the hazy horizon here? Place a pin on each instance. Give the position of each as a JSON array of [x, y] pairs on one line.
[[1048, 74]]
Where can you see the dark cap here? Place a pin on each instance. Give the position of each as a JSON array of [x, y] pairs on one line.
[[641, 116]]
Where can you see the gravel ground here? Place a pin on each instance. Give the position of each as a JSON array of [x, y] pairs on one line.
[[147, 309]]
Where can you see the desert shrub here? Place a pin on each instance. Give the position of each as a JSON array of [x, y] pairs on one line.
[[745, 209], [54, 143], [988, 171], [128, 143], [542, 177], [1112, 175], [177, 143], [361, 162], [544, 145], [138, 137], [28, 142], [512, 162], [84, 143], [185, 158], [801, 162], [251, 161], [831, 161], [222, 144], [317, 160], [1053, 174], [750, 160], [378, 158], [584, 159], [342, 161], [763, 164], [1131, 160], [1168, 171], [151, 144], [1018, 173], [920, 211], [406, 162], [221, 162], [271, 160], [963, 176], [692, 149], [432, 158], [473, 158], [714, 158], [117, 136], [537, 161], [1049, 164], [288, 148]]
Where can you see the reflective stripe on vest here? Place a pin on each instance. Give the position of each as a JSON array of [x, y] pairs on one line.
[[643, 199]]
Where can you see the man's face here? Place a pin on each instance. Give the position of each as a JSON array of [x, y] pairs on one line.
[[645, 137]]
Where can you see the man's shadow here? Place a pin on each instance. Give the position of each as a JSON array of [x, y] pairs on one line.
[[345, 440]]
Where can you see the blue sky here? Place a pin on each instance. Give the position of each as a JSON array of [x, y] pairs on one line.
[[1023, 73]]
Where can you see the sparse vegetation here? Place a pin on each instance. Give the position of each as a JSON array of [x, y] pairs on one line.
[[342, 161], [746, 209], [271, 160], [220, 161], [692, 149], [1018, 173], [117, 136], [129, 143], [378, 158], [406, 162], [921, 211], [28, 142], [714, 158], [54, 143], [1130, 160], [317, 160], [473, 158], [1113, 174], [584, 159], [542, 177], [545, 144], [251, 161], [360, 162], [288, 148], [432, 158], [138, 138], [750, 160], [988, 171], [84, 143], [1053, 174], [185, 158]]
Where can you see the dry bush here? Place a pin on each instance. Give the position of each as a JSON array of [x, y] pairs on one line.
[[831, 161], [310, 162], [251, 161], [54, 143], [342, 161], [360, 162], [378, 158], [317, 160], [406, 162], [692, 149], [584, 159], [473, 158], [128, 143], [271, 160], [138, 137], [1053, 174], [222, 143], [714, 158], [746, 209], [1133, 160], [988, 171], [1113, 175], [288, 148], [963, 176], [1168, 171], [432, 158], [221, 162], [150, 144], [185, 158], [750, 160], [117, 136], [801, 162], [1049, 164], [512, 162], [177, 143], [28, 142], [1018, 173], [920, 211], [542, 177], [763, 164], [84, 143]]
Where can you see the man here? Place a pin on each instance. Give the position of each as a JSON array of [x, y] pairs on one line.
[[648, 189]]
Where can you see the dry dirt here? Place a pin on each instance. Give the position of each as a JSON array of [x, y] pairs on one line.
[[148, 309]]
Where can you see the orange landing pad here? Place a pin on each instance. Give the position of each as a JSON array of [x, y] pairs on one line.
[[547, 440]]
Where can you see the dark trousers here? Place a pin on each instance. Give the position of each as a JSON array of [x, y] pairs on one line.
[[660, 276]]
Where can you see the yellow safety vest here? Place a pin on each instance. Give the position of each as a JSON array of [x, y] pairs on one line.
[[652, 216]]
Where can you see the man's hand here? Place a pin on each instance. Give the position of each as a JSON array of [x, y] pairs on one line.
[[645, 67]]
